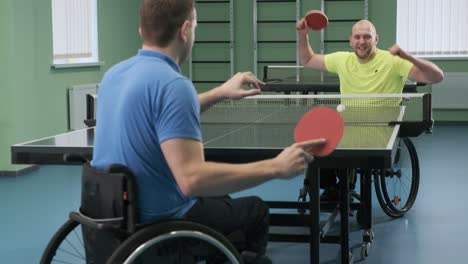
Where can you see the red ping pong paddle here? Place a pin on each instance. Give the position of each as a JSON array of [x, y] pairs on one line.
[[316, 19], [320, 122]]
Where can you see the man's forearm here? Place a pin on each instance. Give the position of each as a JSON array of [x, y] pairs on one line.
[[214, 179], [209, 98], [305, 51], [307, 56]]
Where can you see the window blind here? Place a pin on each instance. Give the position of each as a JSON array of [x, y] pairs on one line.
[[433, 28], [74, 26]]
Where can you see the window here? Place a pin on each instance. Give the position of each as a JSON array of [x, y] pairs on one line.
[[433, 28], [74, 30]]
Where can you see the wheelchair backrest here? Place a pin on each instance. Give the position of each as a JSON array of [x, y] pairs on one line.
[[107, 194]]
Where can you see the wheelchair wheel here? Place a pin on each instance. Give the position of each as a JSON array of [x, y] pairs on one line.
[[397, 187], [176, 242], [66, 246]]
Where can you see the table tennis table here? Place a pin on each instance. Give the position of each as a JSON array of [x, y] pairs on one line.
[[253, 129]]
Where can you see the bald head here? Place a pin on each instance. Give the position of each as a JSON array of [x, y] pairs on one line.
[[364, 25]]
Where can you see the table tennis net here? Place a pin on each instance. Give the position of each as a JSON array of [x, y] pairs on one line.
[[288, 109]]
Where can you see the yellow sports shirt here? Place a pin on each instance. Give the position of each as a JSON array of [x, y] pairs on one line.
[[385, 74]]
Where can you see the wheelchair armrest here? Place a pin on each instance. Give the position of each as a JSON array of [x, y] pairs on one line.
[[100, 224]]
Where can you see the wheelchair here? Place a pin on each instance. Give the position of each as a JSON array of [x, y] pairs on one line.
[[396, 188], [106, 230]]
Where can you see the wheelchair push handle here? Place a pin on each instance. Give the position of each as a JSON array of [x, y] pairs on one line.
[[99, 224]]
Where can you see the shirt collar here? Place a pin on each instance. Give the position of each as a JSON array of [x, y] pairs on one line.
[[159, 55]]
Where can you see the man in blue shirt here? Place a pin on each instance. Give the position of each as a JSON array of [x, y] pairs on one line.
[[148, 118]]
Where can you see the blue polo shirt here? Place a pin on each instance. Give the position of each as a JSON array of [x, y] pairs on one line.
[[142, 102]]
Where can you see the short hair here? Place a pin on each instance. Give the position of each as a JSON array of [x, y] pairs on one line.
[[160, 19]]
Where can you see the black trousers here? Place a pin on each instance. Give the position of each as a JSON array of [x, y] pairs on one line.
[[247, 215]]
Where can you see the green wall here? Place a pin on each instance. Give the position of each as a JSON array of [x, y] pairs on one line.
[[6, 95], [33, 95]]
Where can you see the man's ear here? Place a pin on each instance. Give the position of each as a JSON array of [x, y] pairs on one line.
[[185, 31], [376, 39], [139, 31]]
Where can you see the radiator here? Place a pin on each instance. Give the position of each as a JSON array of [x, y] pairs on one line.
[[77, 104], [452, 92]]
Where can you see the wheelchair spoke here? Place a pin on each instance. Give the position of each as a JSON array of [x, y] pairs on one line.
[[78, 256], [77, 253], [66, 247]]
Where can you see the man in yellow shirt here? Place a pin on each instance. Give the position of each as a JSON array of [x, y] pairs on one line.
[[367, 70]]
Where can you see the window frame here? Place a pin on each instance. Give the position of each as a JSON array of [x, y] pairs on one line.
[[68, 12]]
